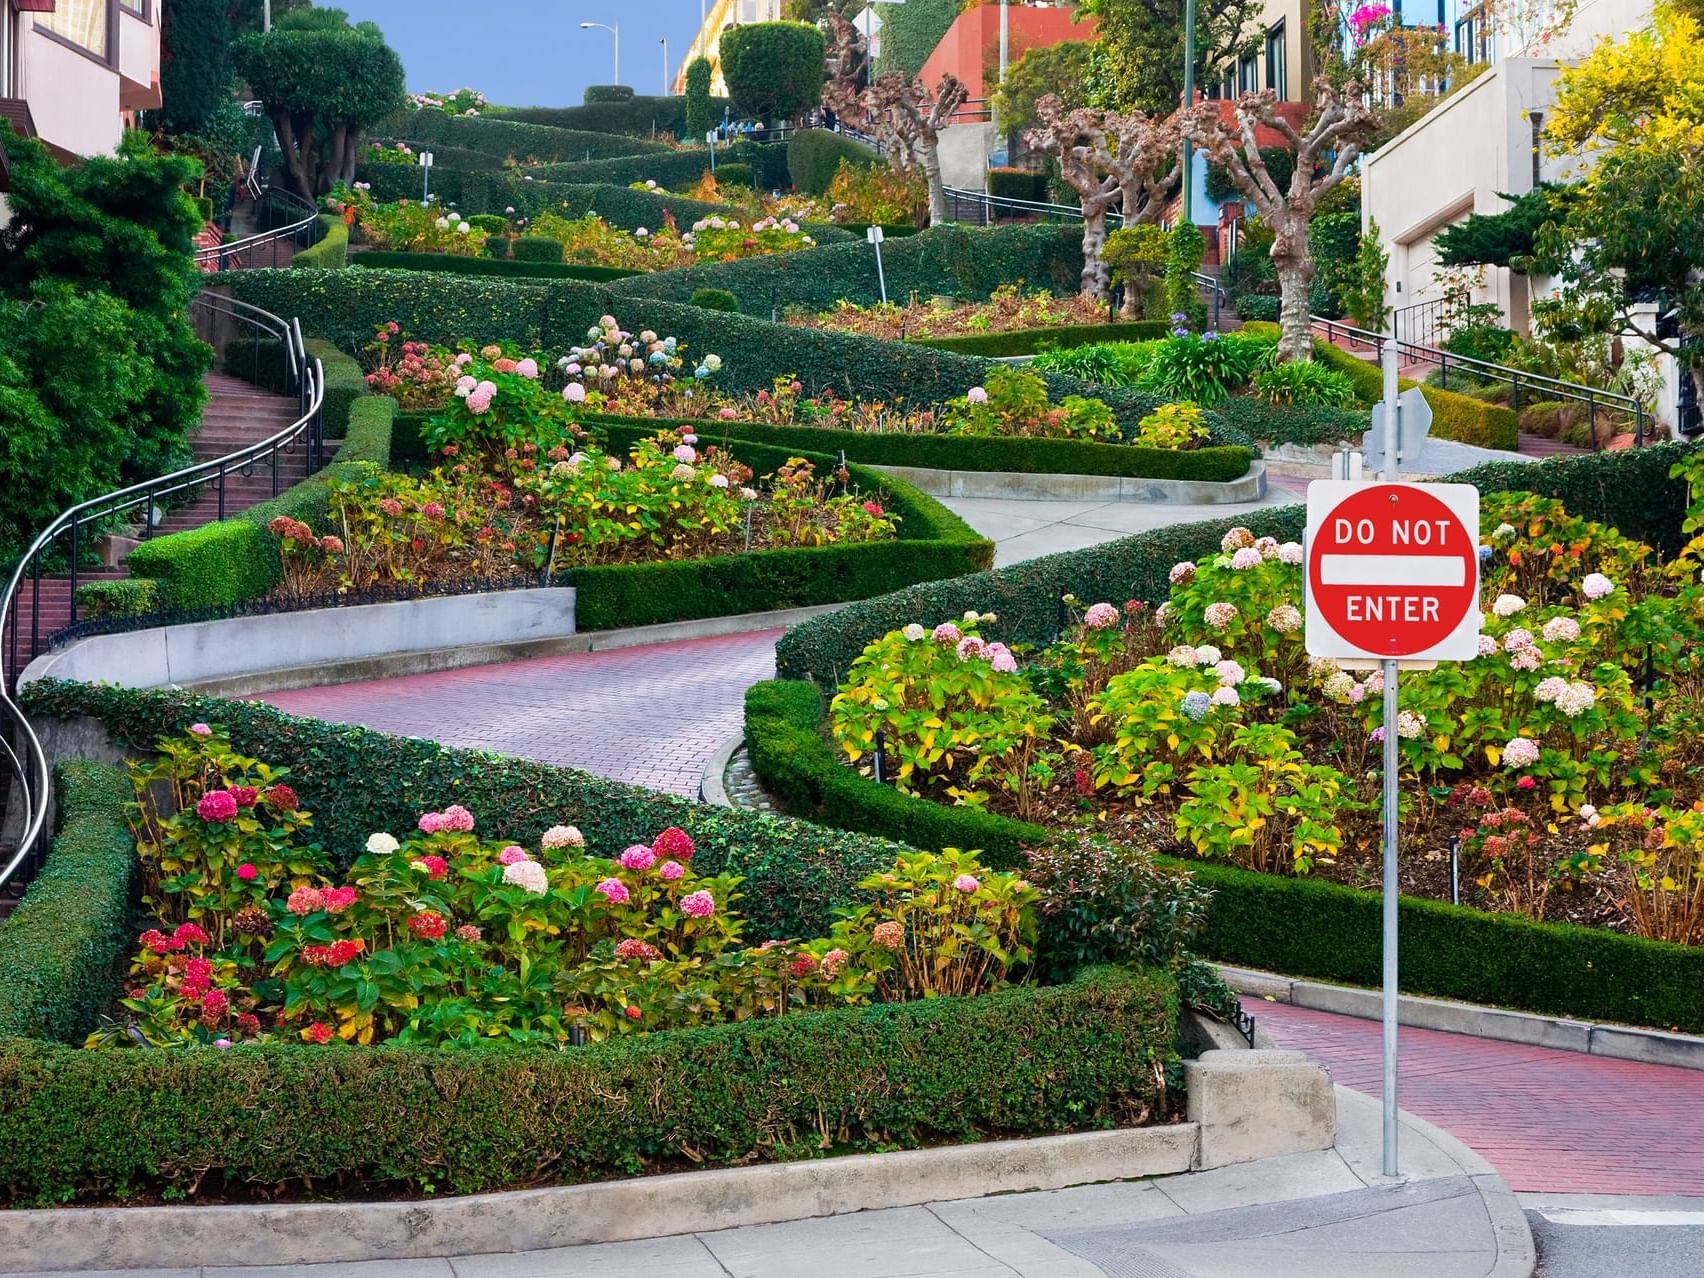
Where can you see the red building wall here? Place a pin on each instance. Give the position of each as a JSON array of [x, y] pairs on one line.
[[971, 47]]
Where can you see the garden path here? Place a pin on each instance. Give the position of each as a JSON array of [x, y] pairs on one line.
[[1547, 1120]]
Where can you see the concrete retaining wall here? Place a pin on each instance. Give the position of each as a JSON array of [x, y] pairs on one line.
[[1022, 486], [208, 652]]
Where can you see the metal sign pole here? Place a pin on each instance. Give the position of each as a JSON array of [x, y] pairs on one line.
[[1393, 437]]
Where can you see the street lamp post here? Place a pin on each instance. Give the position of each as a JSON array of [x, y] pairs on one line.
[[614, 31], [1188, 102], [1005, 41], [665, 43]]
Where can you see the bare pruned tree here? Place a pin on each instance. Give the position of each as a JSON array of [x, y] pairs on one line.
[[1326, 150], [1079, 141], [909, 119], [1146, 157]]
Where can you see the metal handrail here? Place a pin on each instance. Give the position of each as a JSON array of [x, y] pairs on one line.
[[27, 759], [1215, 292], [218, 254], [992, 204], [1543, 387]]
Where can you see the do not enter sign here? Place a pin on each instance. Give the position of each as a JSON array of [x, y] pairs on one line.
[[1392, 571]]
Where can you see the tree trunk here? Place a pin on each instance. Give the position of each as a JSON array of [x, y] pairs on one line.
[[1292, 258], [931, 149], [297, 152], [1095, 274]]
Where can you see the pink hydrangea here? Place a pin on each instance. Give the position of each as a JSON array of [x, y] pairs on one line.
[[1561, 630], [966, 883], [946, 632], [1225, 695], [637, 857], [527, 367], [431, 822], [1246, 558], [674, 843], [970, 646], [1487, 645], [305, 900], [216, 805], [1220, 615], [1181, 574], [671, 871], [698, 905], [633, 948], [458, 818], [1597, 586], [1235, 540], [511, 854], [686, 453], [1520, 752], [1001, 658], [833, 961], [531, 876], [977, 395], [1527, 658], [479, 402], [200, 730], [612, 890], [1290, 553], [1285, 619], [563, 836], [468, 932], [1184, 656], [1549, 689], [1100, 616], [338, 899], [246, 872], [574, 393], [1517, 639], [1230, 673], [889, 935]]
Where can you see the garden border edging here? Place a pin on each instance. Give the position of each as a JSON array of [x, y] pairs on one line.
[[1041, 486], [1590, 1038], [1232, 1123]]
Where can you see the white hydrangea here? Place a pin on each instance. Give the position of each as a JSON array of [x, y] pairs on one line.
[[1508, 605], [382, 844], [915, 633], [529, 875], [1290, 553]]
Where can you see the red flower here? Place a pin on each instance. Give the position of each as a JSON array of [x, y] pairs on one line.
[[1526, 783], [873, 508], [214, 1005], [216, 806], [674, 844], [158, 942], [246, 872], [435, 866], [248, 1023], [190, 934], [318, 1032], [633, 1013], [338, 899], [429, 925], [804, 965], [1084, 783], [245, 795]]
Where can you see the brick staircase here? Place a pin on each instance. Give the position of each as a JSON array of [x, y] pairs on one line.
[[237, 414]]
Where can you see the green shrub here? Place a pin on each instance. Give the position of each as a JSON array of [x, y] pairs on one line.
[[204, 208], [490, 223], [1018, 1062], [716, 299], [1032, 341], [700, 117], [1304, 383], [1254, 307], [1294, 424], [496, 248], [814, 156], [1457, 417], [608, 93], [774, 70], [500, 138], [983, 453], [1186, 249], [344, 384], [733, 175], [120, 597], [1298, 926], [520, 268], [59, 948], [948, 261], [330, 251], [677, 169], [537, 248], [1027, 185], [642, 116]]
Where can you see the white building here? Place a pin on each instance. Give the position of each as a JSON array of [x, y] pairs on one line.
[[719, 15]]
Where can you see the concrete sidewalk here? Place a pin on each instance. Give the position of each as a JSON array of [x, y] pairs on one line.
[[1321, 1215]]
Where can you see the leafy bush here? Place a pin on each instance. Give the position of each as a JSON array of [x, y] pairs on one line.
[[1041, 340], [1186, 248], [536, 248], [330, 251], [1172, 426], [1203, 367], [521, 268], [498, 137], [608, 93], [1294, 424], [125, 597], [815, 155], [1028, 185], [734, 175], [716, 299], [774, 70], [1257, 307], [1015, 403], [1304, 383]]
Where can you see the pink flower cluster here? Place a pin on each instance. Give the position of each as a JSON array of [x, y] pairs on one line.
[[638, 858], [1100, 616], [453, 819], [512, 854], [698, 905], [216, 806]]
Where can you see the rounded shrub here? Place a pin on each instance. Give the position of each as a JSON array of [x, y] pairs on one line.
[[733, 175], [537, 248], [774, 70], [608, 93], [716, 299]]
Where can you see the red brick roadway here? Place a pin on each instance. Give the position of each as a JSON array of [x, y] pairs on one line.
[[652, 715], [1551, 1121], [1548, 1121]]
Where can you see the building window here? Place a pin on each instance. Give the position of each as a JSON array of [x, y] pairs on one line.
[[81, 22], [137, 7], [1275, 77], [1229, 88], [1248, 74]]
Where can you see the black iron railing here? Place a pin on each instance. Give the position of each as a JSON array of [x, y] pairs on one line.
[[288, 222]]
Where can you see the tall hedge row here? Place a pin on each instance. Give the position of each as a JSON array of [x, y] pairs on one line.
[[814, 156], [503, 137], [639, 115]]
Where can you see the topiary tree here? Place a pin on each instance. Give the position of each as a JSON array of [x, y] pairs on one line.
[[322, 87], [774, 70], [1341, 123], [700, 116]]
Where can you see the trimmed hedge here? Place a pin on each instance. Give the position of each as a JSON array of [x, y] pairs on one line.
[[330, 251], [1630, 490], [1458, 417], [448, 264], [1306, 425], [1024, 1061], [60, 945], [638, 116], [814, 156], [672, 169], [123, 597], [968, 452], [537, 248], [1301, 927], [951, 261], [499, 137], [630, 209], [346, 305], [1032, 341]]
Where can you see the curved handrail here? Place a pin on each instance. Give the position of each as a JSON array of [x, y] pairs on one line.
[[28, 760], [217, 254]]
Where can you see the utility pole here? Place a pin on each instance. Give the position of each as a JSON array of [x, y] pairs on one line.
[[1188, 104], [1005, 41], [265, 15]]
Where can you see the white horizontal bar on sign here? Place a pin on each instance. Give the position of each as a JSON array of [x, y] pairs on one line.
[[1392, 570]]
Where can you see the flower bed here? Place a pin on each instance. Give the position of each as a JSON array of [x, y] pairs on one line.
[[94, 1124], [1009, 308]]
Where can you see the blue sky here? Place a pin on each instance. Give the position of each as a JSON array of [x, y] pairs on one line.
[[530, 52]]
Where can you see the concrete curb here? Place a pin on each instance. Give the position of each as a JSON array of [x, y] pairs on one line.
[[1517, 1256], [1024, 486], [79, 1238], [1620, 1042], [713, 786], [427, 661]]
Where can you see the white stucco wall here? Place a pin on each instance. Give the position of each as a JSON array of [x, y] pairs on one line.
[[139, 56]]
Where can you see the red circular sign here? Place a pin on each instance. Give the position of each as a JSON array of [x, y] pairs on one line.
[[1393, 570]]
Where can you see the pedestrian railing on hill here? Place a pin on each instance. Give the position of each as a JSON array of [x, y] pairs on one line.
[[984, 209], [293, 221], [65, 548]]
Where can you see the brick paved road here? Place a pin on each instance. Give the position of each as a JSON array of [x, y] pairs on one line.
[[1552, 1121], [652, 715]]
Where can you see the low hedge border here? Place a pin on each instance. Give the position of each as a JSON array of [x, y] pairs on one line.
[[968, 452], [330, 251], [768, 161], [260, 360], [63, 944], [1032, 341], [639, 115], [448, 264], [502, 138], [1301, 927], [1630, 490], [1302, 424], [1459, 417], [630, 209], [345, 306]]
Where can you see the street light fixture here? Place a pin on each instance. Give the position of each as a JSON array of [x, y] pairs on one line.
[[614, 31], [665, 43]]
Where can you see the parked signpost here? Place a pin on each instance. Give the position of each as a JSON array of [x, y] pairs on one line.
[[1391, 574]]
